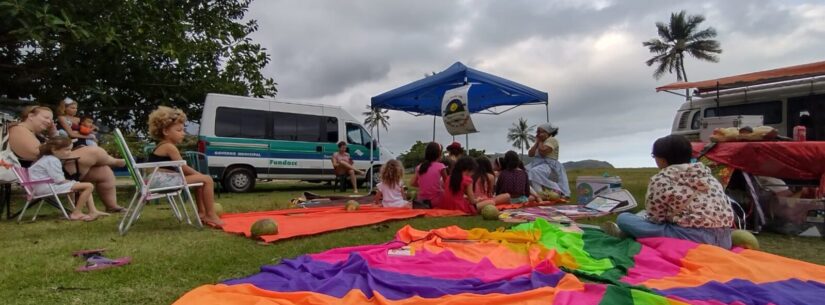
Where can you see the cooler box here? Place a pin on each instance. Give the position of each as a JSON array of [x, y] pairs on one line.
[[588, 187], [738, 121]]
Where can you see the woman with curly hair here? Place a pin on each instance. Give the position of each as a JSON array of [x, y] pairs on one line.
[[166, 126]]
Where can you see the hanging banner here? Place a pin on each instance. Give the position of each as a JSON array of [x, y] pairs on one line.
[[455, 112]]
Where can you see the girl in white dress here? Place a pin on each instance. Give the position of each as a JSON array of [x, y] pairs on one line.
[[49, 166]]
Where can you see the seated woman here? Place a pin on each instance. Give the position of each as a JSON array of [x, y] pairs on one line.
[[684, 200], [343, 166], [68, 123], [546, 172], [36, 124]]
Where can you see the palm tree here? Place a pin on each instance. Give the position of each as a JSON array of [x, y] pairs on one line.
[[376, 117], [521, 134], [678, 37]]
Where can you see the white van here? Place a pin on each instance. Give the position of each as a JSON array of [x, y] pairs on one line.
[[780, 104], [253, 138]]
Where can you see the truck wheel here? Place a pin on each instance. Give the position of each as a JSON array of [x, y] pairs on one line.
[[239, 180]]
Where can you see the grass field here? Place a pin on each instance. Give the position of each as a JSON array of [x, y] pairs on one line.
[[170, 259]]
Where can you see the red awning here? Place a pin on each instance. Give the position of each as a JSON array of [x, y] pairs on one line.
[[749, 79]]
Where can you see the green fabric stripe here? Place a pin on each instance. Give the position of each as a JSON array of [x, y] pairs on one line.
[[620, 251], [552, 237], [641, 297], [615, 295]]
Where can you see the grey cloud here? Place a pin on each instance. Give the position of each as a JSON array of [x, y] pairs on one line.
[[344, 52]]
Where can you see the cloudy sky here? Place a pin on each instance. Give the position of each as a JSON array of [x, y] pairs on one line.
[[587, 55]]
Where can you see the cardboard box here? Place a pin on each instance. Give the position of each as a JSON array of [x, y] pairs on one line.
[[710, 123], [588, 187]]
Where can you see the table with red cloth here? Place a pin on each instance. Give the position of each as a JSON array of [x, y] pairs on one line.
[[784, 160]]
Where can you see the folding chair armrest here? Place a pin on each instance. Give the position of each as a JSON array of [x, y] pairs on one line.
[[175, 163], [33, 182]]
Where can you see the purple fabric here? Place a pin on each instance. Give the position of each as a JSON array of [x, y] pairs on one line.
[[788, 292], [306, 274]]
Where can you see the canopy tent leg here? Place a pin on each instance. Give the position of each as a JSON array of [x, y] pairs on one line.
[[467, 142], [547, 110], [433, 128]]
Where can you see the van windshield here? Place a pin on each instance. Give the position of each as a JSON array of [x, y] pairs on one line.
[[357, 135]]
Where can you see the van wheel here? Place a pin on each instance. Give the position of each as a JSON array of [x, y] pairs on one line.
[[374, 175], [239, 180]]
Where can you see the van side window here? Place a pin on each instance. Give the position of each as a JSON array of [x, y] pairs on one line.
[[771, 112], [240, 123], [304, 127], [354, 134], [331, 129]]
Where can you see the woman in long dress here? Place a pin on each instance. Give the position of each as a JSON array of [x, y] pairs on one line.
[[546, 172]]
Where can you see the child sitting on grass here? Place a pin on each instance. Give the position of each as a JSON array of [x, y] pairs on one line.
[[429, 177], [484, 182], [512, 180], [391, 189], [459, 194], [166, 126], [49, 166]]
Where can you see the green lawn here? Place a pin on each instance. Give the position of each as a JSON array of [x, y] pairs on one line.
[[170, 259]]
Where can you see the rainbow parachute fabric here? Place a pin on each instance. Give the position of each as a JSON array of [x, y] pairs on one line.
[[532, 263]]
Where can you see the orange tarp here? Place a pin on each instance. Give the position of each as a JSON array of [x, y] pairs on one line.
[[310, 221], [786, 73]]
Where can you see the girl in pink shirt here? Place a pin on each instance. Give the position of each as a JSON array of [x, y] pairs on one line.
[[459, 194], [430, 176]]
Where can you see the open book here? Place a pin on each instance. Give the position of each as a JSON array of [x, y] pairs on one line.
[[609, 202]]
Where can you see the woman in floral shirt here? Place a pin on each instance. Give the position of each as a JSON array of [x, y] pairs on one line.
[[683, 201]]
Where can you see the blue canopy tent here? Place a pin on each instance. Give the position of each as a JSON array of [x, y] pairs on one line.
[[423, 97]]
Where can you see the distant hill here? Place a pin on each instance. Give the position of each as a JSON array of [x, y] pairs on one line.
[[567, 165], [587, 164]]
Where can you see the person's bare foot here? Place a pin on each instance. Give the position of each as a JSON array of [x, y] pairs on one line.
[[212, 221]]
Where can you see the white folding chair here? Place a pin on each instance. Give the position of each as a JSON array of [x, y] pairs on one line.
[[28, 185], [143, 175]]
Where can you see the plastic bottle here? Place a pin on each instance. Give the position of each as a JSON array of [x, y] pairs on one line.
[[800, 133]]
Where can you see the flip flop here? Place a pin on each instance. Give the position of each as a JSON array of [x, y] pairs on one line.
[[85, 218], [99, 262], [116, 210]]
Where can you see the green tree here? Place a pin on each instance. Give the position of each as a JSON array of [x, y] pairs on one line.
[[414, 156], [521, 134], [121, 59], [678, 37], [475, 153], [376, 117]]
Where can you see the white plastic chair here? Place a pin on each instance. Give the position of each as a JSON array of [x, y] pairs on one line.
[[143, 174], [28, 185]]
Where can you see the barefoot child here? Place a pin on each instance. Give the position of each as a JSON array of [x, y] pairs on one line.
[[166, 126], [391, 189], [49, 166]]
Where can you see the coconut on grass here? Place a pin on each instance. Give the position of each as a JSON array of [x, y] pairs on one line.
[[744, 239], [352, 205], [489, 212], [265, 226]]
